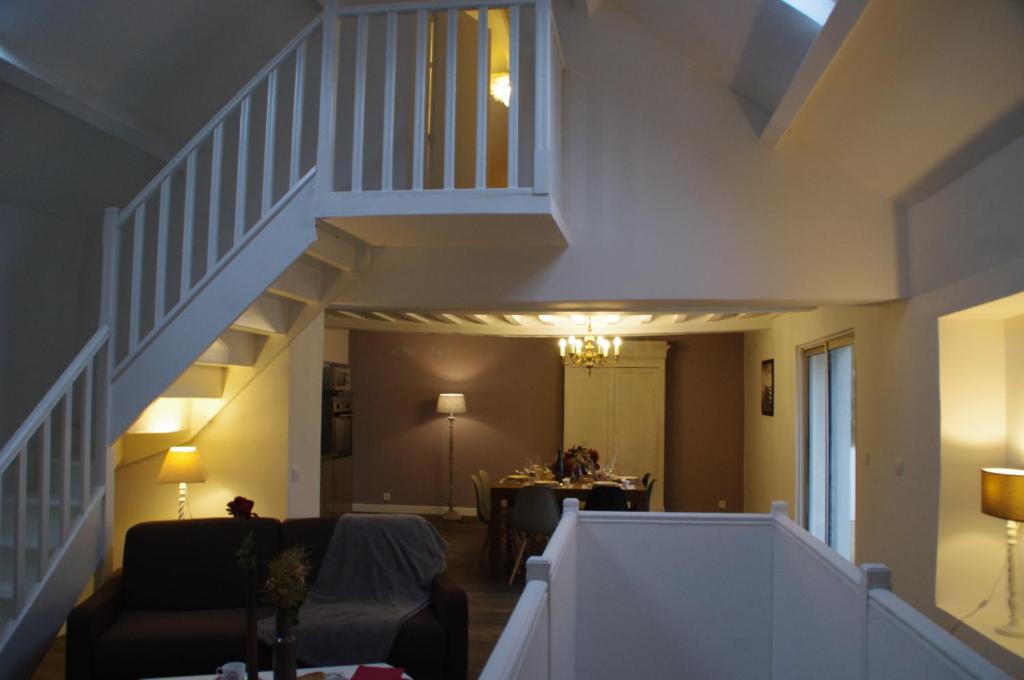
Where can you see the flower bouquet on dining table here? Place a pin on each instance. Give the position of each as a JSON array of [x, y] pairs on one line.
[[580, 461]]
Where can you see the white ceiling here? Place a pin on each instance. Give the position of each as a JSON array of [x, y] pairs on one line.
[[551, 323]]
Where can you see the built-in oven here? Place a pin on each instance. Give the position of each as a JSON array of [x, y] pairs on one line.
[[336, 415]]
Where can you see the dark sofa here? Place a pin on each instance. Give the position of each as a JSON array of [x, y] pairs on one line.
[[176, 607]]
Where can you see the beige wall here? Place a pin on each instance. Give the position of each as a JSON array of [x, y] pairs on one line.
[[336, 345], [898, 404], [272, 423], [1015, 391], [513, 389], [704, 423]]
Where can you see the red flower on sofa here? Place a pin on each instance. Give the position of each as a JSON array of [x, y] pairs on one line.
[[241, 508]]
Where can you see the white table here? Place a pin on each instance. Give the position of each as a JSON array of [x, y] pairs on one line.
[[344, 671]]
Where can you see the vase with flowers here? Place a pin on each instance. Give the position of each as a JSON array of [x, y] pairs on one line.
[[579, 461], [286, 588], [241, 509]]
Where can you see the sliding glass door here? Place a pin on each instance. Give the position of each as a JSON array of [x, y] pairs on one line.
[[830, 456]]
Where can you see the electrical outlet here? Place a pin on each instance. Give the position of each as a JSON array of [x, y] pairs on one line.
[[721, 505], [386, 496]]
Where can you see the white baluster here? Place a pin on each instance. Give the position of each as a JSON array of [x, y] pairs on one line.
[[329, 67], [241, 176], [419, 107], [359, 103], [297, 103], [160, 281], [483, 69], [216, 173], [19, 530], [134, 313], [269, 134], [87, 443], [388, 142], [542, 100], [451, 54], [513, 102], [44, 487], [188, 226]]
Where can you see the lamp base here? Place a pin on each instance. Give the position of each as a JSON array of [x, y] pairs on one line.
[[451, 515], [1011, 630]]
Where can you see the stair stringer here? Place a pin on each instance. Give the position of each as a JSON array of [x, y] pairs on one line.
[[280, 241], [32, 632]]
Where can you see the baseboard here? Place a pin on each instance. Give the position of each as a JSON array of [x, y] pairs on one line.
[[411, 509]]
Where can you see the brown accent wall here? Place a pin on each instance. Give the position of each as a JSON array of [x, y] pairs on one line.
[[704, 423], [513, 389]]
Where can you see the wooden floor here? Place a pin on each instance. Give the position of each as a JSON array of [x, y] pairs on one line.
[[490, 601]]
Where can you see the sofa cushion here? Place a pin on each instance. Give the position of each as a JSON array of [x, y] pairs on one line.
[[183, 565], [152, 644], [419, 647]]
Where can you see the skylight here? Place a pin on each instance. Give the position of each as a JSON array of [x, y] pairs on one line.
[[816, 10]]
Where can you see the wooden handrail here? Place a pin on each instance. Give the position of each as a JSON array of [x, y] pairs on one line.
[[53, 396]]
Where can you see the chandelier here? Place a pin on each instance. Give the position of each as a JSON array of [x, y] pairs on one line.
[[590, 350]]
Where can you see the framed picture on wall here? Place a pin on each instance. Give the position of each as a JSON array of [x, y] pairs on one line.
[[768, 387]]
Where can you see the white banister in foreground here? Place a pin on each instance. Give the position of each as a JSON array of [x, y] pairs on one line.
[[737, 596]]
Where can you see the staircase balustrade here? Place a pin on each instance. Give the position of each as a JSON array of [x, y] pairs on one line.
[[256, 156], [52, 471]]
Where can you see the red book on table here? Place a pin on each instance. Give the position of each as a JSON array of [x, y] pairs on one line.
[[377, 673]]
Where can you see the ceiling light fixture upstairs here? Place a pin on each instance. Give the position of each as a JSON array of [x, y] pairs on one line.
[[501, 88], [590, 350]]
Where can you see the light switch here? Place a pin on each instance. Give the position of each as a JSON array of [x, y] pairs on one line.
[[294, 474], [899, 467]]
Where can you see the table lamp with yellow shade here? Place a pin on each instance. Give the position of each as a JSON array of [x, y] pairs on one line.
[[182, 466], [1002, 495]]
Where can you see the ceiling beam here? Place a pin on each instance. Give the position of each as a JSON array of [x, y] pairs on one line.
[[833, 34], [79, 103]]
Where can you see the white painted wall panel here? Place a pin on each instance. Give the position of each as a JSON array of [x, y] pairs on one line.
[[674, 597], [817, 615]]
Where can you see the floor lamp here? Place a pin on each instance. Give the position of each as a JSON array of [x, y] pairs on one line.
[[1002, 495], [451, 404]]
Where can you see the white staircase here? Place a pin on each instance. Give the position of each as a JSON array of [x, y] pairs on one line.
[[257, 224]]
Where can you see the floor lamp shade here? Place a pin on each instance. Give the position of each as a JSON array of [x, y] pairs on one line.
[[452, 403], [1002, 495]]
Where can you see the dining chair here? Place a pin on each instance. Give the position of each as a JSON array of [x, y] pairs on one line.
[[535, 513], [606, 498], [650, 491], [483, 513], [646, 478], [485, 477]]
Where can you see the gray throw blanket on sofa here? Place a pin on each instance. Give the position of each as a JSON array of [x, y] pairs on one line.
[[376, 573]]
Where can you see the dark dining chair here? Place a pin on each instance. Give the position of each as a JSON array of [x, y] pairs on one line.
[[606, 498], [535, 513], [650, 491], [646, 478], [483, 513]]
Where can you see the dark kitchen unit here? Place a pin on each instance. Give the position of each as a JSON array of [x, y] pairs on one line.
[[337, 404]]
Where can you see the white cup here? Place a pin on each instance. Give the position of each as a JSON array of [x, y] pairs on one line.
[[234, 670]]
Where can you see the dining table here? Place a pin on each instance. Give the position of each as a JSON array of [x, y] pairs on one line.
[[503, 495]]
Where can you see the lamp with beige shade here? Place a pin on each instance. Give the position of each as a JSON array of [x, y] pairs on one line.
[[1002, 495], [451, 403], [182, 466]]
